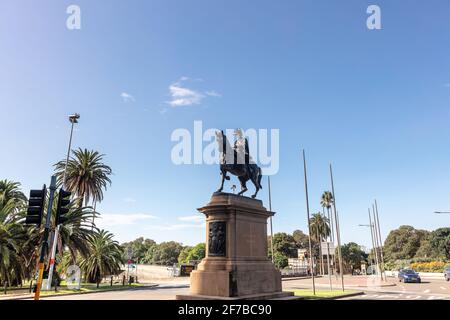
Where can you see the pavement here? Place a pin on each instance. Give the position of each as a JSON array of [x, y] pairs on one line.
[[162, 292]]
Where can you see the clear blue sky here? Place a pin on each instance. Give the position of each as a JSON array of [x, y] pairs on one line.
[[374, 103]]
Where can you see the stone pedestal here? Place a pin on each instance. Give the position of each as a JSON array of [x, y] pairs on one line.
[[236, 265]]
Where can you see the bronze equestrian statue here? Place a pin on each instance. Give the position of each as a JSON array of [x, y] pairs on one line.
[[238, 163]]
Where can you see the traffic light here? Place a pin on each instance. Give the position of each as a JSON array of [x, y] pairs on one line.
[[36, 204], [61, 208]]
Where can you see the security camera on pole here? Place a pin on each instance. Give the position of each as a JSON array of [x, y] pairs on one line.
[[73, 119]]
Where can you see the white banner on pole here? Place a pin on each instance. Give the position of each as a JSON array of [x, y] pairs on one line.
[[328, 246]]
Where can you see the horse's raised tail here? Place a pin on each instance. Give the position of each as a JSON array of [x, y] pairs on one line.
[[260, 178]]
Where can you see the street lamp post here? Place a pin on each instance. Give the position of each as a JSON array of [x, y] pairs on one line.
[[375, 242], [371, 235], [73, 119]]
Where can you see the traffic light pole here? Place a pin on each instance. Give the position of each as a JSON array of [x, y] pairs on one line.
[[45, 240], [52, 258]]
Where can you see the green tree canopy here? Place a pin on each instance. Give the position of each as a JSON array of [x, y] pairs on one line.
[[105, 257], [285, 244], [138, 248], [280, 260], [184, 253], [12, 232], [440, 242], [195, 253], [352, 256], [165, 253], [301, 239], [403, 243], [86, 175]]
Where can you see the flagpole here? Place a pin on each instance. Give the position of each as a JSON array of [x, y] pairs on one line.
[[338, 232], [271, 225], [309, 226]]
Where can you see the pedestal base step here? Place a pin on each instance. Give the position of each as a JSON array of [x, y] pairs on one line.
[[262, 296]]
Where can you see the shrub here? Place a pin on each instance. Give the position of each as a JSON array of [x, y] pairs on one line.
[[433, 266]]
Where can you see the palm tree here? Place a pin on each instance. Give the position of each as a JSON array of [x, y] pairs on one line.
[[73, 235], [76, 229], [105, 257], [12, 203], [326, 201], [86, 175], [11, 190], [320, 229]]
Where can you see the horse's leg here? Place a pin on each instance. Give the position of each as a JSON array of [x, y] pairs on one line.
[[224, 174], [256, 184], [243, 186]]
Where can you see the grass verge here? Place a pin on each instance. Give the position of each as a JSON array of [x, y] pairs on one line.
[[324, 294], [87, 288]]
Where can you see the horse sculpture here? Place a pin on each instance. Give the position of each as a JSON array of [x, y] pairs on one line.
[[244, 170]]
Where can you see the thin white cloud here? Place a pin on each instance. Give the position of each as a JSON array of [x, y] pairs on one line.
[[129, 200], [213, 93], [174, 227], [181, 96], [124, 219], [194, 218], [127, 97]]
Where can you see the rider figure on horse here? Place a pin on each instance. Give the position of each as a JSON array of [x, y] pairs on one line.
[[242, 155]]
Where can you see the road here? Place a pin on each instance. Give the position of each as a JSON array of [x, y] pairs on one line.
[[392, 290], [429, 289]]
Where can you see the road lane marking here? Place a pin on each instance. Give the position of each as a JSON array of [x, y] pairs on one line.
[[443, 288], [426, 291]]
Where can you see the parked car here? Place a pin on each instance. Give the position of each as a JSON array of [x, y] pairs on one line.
[[408, 275], [447, 274]]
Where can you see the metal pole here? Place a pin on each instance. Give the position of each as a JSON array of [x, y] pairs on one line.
[[68, 154], [55, 238], [338, 235], [373, 241], [309, 226], [45, 239], [328, 263], [330, 217], [328, 251], [271, 225], [381, 241], [377, 242]]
